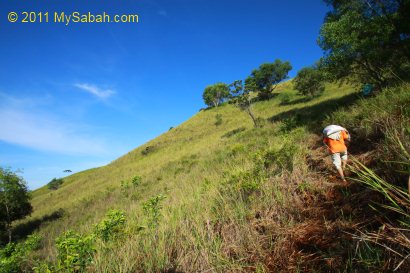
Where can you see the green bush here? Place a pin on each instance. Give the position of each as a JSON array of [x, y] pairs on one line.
[[13, 256], [75, 251], [248, 181], [289, 124], [136, 180], [218, 118], [285, 98], [112, 226], [260, 122], [152, 209], [125, 186], [43, 267], [55, 183], [148, 150], [234, 132], [309, 81]]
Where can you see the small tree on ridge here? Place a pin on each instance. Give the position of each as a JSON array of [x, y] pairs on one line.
[[265, 79], [215, 94], [14, 199], [309, 81]]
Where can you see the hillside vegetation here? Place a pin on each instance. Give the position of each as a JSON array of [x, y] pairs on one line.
[[216, 194]]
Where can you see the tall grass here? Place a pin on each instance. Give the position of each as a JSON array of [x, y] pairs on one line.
[[382, 125], [235, 202]]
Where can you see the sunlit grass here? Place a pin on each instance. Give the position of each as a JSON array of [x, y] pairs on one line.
[[204, 225]]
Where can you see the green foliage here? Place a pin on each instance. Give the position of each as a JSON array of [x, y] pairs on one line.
[[13, 256], [126, 184], [43, 267], [285, 98], [249, 181], [260, 122], [75, 251], [367, 41], [309, 81], [289, 123], [147, 150], [265, 79], [234, 132], [55, 183], [152, 209], [136, 180], [112, 226], [215, 94], [14, 200], [242, 99], [218, 118], [190, 227]]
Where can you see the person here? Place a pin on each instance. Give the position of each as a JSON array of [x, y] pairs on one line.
[[334, 138]]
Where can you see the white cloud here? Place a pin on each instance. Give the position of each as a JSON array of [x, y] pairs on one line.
[[46, 133], [95, 90]]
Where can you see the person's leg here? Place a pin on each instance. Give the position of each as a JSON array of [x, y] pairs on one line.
[[343, 156], [337, 161], [342, 175]]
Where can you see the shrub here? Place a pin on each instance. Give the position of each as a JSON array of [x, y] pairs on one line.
[[234, 132], [148, 150], [43, 267], [260, 122], [13, 255], [290, 123], [248, 181], [136, 180], [75, 251], [152, 209], [55, 183], [285, 98], [309, 82], [112, 226], [218, 118], [125, 186]]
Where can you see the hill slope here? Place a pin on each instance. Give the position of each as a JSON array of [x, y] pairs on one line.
[[220, 197]]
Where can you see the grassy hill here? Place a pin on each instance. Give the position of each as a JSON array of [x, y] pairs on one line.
[[221, 196]]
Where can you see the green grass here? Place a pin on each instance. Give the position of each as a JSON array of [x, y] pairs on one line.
[[215, 182]]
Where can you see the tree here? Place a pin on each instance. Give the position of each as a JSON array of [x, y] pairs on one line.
[[367, 41], [242, 99], [265, 79], [55, 183], [309, 81], [215, 94], [14, 199]]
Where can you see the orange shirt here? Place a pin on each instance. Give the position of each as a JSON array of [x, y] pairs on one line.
[[337, 146]]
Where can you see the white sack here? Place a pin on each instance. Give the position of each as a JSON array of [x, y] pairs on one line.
[[331, 129]]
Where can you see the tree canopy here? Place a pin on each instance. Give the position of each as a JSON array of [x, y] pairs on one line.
[[309, 81], [265, 79], [242, 99], [14, 199], [55, 183], [215, 94], [367, 41]]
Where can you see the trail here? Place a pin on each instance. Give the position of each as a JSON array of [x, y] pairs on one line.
[[332, 215]]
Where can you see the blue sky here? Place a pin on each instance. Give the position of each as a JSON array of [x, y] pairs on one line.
[[79, 96]]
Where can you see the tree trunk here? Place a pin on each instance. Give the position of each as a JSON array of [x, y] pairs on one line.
[[248, 109], [8, 225], [9, 232]]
